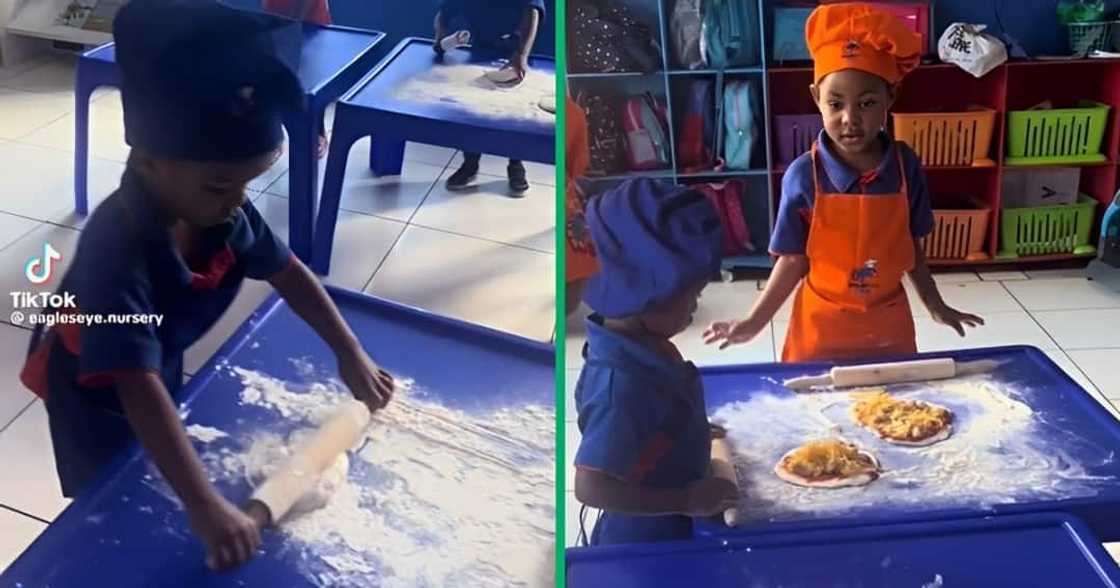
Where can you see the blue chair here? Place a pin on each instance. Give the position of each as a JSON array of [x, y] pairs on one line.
[[333, 60]]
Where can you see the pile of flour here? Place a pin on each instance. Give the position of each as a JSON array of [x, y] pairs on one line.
[[467, 87], [1000, 452], [433, 496]]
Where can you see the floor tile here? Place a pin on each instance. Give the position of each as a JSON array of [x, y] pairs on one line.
[[1049, 274], [106, 133], [54, 76], [571, 444], [724, 301], [393, 197], [22, 113], [19, 532], [506, 288], [1082, 329], [979, 298], [487, 212], [13, 227], [780, 328], [44, 188], [1100, 366], [536, 173], [571, 378], [576, 333], [28, 458], [15, 256], [253, 293], [1073, 370], [9, 71], [1063, 294], [1008, 276], [13, 396], [1113, 549], [1001, 328], [956, 277], [361, 242], [429, 154]]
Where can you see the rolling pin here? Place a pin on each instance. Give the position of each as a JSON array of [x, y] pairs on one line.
[[301, 472], [724, 467], [892, 373]]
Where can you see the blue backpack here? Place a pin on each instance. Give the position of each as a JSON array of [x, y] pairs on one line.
[[729, 34], [740, 124]]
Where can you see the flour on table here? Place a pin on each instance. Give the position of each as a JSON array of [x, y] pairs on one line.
[[467, 87], [267, 453], [434, 496], [1001, 452], [205, 434]]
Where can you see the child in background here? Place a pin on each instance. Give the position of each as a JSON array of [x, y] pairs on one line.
[[854, 209], [646, 448], [506, 26], [579, 260], [318, 12], [203, 88]]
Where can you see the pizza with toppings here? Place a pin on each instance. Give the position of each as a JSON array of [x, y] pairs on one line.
[[903, 422], [829, 463]]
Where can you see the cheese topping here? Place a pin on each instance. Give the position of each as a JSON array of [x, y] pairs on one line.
[[819, 460], [905, 420]]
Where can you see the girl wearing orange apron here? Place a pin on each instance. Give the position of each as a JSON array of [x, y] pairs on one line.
[[849, 251]]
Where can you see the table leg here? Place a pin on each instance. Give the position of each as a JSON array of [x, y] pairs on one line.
[[83, 89], [303, 180], [386, 156], [339, 152]]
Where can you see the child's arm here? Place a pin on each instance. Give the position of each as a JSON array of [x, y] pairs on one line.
[[527, 35], [303, 292], [787, 273], [931, 298], [441, 30], [230, 536], [702, 498]]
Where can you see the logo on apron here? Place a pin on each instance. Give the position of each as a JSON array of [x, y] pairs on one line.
[[864, 279]]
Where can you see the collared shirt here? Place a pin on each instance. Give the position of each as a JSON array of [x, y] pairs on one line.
[[488, 20], [791, 227], [127, 263]]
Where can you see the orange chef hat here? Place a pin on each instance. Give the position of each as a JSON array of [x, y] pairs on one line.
[[863, 37]]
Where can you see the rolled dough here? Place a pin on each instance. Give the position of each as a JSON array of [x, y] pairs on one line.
[[269, 454]]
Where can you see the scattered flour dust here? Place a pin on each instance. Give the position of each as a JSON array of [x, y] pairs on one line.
[[467, 87], [205, 434], [434, 497], [1000, 452]]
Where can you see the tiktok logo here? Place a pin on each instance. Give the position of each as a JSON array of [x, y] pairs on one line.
[[39, 269]]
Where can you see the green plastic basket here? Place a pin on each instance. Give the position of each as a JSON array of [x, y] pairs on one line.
[[1057, 136], [1047, 230]]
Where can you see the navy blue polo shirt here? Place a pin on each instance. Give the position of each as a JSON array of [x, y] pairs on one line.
[[791, 226], [488, 20], [127, 263]]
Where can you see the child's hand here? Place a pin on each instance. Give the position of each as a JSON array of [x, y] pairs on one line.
[[367, 382], [710, 496], [732, 332], [230, 536], [955, 319]]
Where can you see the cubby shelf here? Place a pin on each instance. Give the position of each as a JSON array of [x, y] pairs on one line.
[[784, 90]]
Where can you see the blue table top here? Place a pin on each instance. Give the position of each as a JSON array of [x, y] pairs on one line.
[[126, 529], [414, 57], [1044, 549], [327, 53], [1069, 438]]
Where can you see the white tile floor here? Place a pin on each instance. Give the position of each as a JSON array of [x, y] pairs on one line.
[[479, 256], [1072, 319]]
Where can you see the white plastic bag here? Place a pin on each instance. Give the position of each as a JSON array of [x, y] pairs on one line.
[[972, 50]]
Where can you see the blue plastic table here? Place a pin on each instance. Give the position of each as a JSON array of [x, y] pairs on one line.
[[372, 109], [333, 60], [1051, 393], [118, 533], [1044, 549]]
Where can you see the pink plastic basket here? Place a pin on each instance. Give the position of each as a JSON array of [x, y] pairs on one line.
[[795, 134]]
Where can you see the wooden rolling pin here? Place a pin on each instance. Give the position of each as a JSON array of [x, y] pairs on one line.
[[341, 432], [724, 467], [892, 373]]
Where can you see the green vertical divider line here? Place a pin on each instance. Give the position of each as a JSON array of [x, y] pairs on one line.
[[561, 238]]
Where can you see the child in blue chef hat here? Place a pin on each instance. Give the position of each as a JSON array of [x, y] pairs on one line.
[[646, 440]]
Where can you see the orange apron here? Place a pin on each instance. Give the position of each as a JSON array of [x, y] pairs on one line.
[[852, 305]]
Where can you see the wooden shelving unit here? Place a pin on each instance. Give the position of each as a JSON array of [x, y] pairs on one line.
[[933, 87]]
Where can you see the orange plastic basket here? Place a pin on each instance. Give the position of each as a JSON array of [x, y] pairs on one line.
[[958, 234], [948, 138]]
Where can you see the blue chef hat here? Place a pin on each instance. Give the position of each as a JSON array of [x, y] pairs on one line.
[[203, 81], [652, 240]]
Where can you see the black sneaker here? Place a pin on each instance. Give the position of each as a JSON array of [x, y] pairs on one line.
[[517, 182], [463, 177]]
